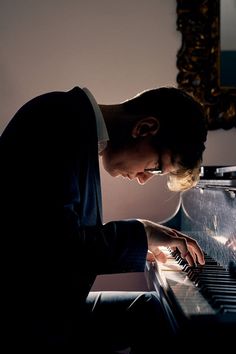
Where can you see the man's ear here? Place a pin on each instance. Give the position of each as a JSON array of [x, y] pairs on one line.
[[146, 126]]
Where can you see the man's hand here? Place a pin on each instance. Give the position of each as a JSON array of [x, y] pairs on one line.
[[158, 256], [159, 235]]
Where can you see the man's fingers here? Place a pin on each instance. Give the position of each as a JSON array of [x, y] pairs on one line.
[[197, 251], [150, 256], [189, 250], [194, 247], [156, 255], [160, 256]]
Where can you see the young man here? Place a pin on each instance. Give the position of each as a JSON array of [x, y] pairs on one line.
[[55, 243]]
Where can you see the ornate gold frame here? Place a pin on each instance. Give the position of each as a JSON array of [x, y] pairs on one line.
[[198, 61]]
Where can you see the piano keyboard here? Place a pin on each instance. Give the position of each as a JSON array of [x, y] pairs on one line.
[[204, 290]]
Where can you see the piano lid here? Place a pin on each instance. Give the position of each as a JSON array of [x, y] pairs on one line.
[[218, 175], [218, 172]]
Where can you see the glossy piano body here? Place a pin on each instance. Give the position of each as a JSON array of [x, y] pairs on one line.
[[209, 213], [201, 303]]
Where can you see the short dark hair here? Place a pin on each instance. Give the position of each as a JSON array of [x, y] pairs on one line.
[[183, 125]]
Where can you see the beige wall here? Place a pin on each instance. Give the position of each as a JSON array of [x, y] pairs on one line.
[[116, 49]]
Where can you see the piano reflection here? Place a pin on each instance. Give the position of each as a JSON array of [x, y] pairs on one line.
[[200, 302]]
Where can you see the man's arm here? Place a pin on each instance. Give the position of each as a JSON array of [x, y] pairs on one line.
[[159, 235]]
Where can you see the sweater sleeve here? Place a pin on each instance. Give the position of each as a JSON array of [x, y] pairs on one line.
[[115, 247]]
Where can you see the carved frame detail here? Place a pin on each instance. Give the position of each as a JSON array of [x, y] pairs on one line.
[[198, 61]]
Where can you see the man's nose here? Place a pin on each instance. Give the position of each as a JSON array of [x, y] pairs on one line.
[[144, 177]]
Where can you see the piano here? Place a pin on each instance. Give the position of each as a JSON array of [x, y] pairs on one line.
[[200, 302]]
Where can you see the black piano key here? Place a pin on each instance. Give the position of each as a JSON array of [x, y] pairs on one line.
[[207, 286], [232, 268], [209, 292], [224, 298], [196, 277], [215, 279], [190, 270], [228, 309], [222, 301], [211, 262], [215, 276]]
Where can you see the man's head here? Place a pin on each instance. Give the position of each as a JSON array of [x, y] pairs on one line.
[[163, 129]]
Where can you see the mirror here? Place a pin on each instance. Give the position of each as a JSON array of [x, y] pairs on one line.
[[198, 61]]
